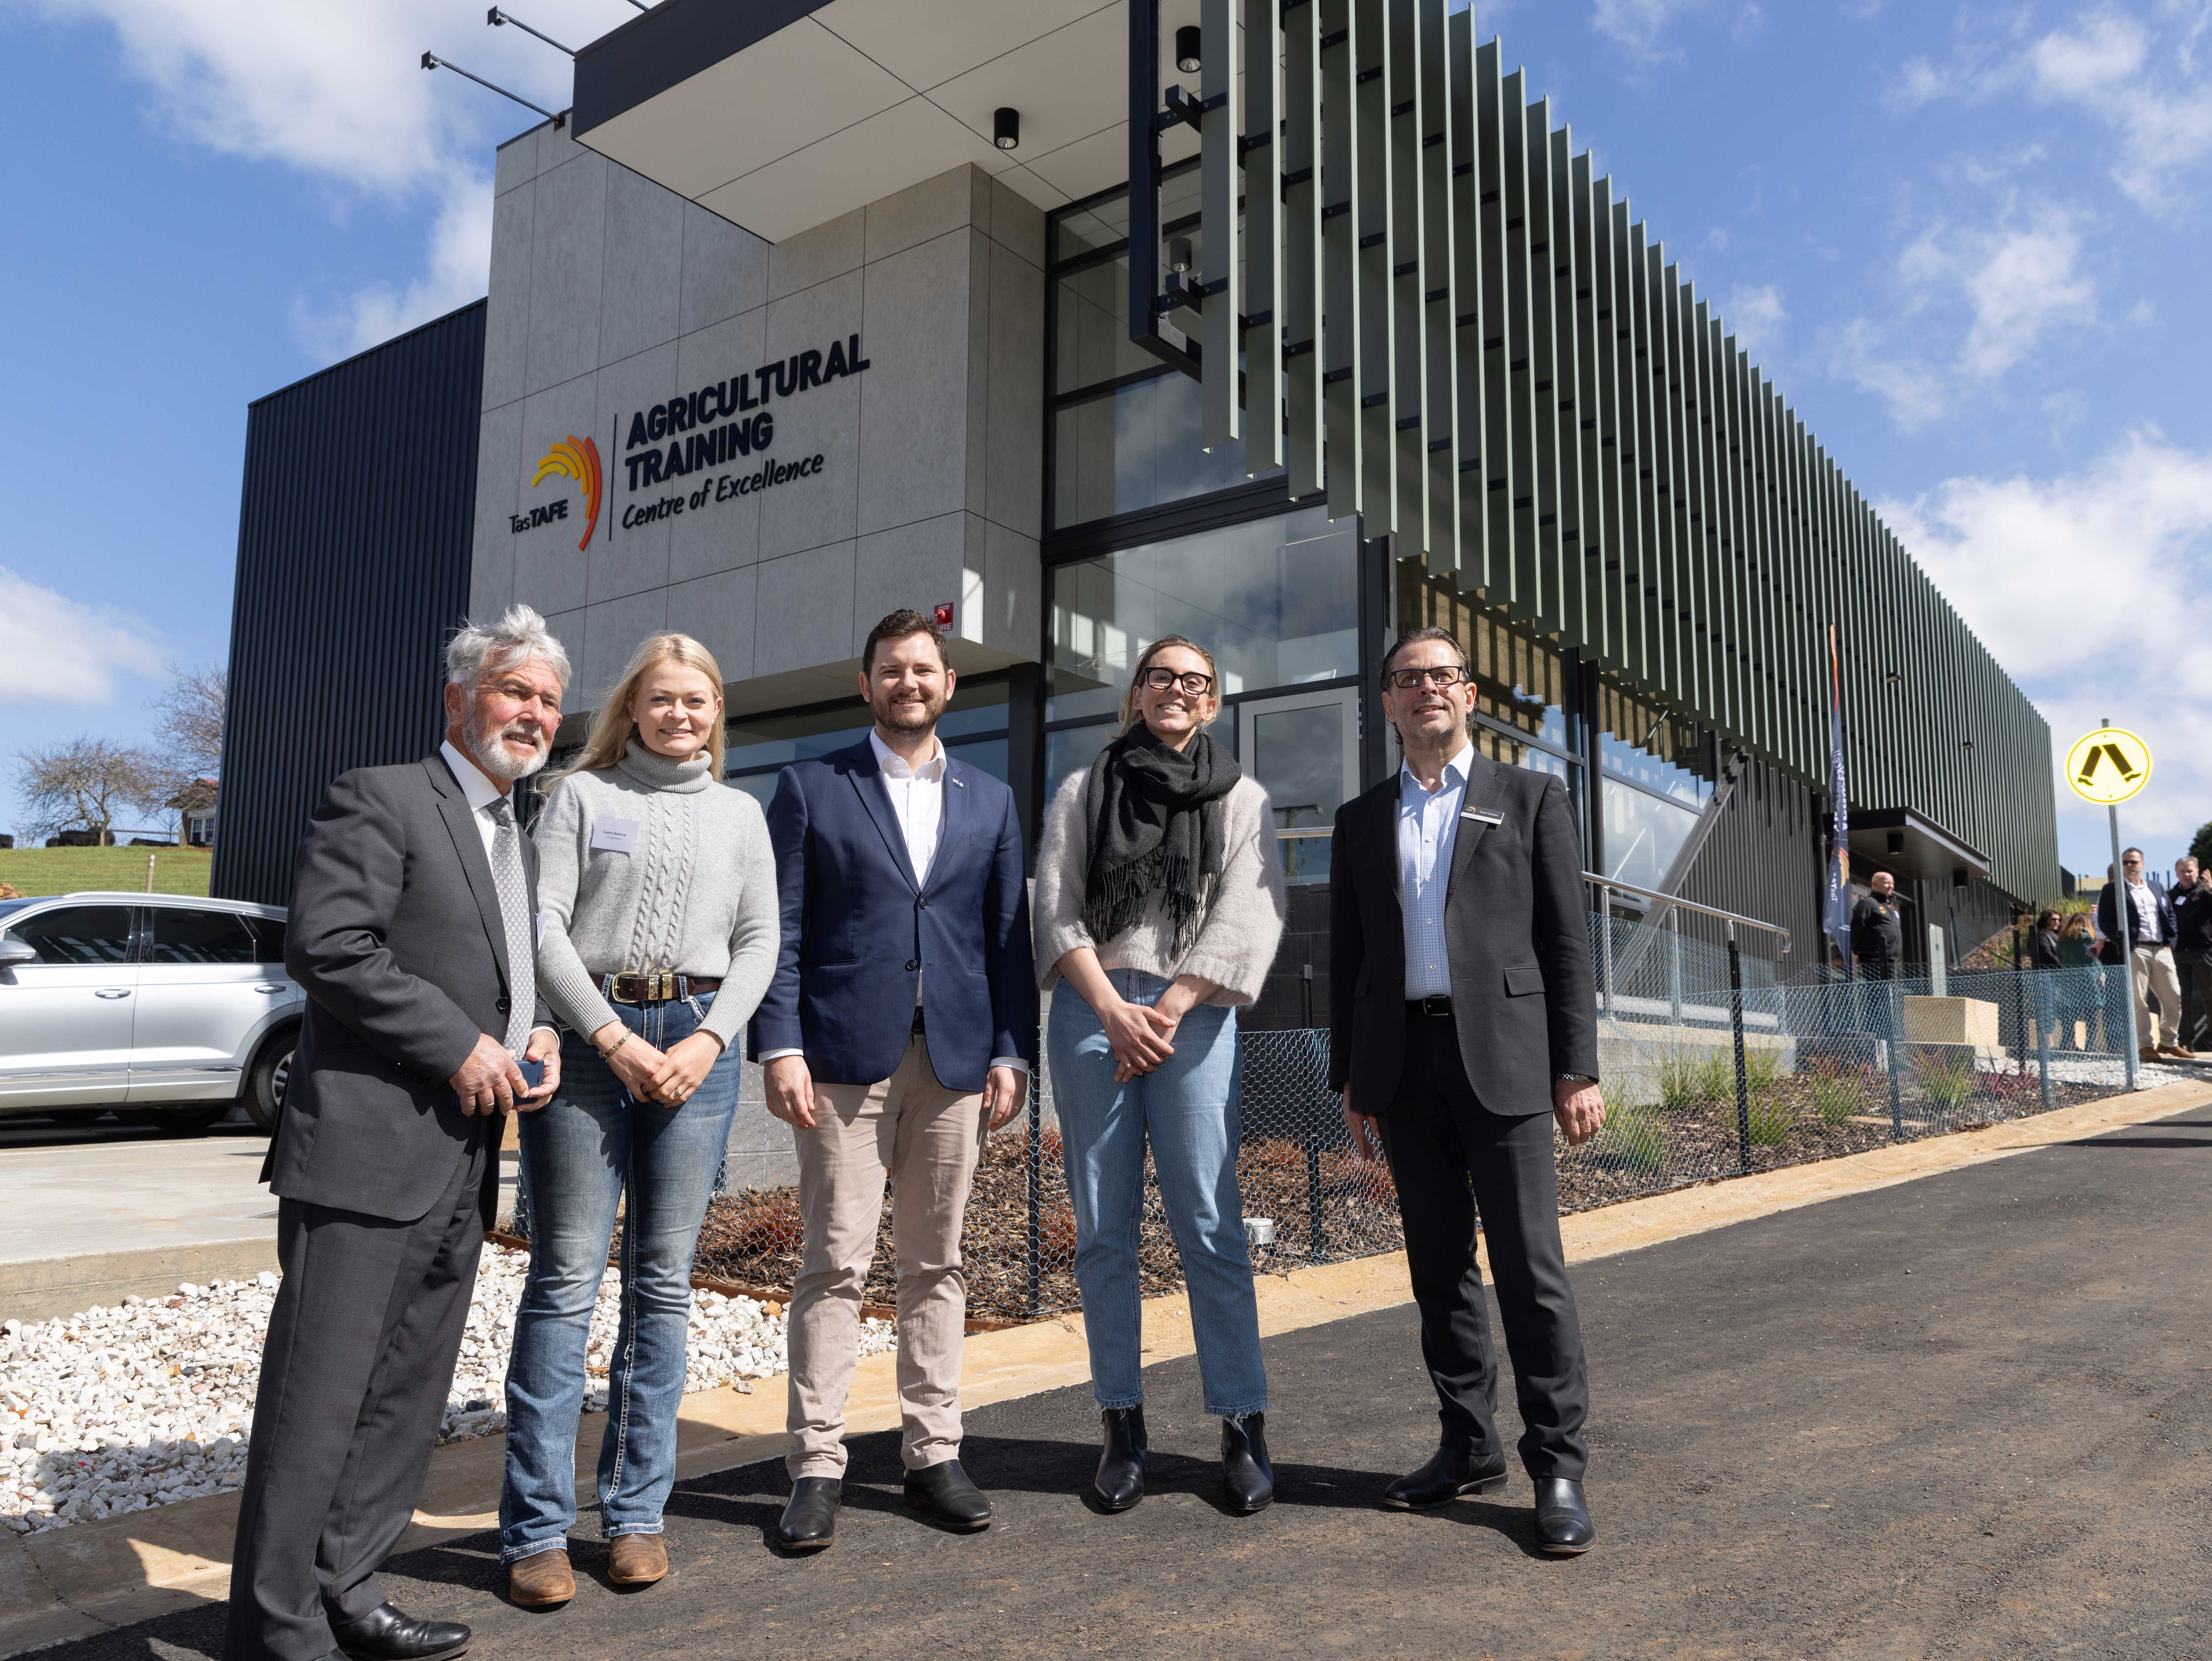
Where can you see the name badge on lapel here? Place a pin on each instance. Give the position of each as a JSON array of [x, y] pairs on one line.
[[614, 835], [1482, 815]]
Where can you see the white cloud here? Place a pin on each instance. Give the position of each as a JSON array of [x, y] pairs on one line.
[[2010, 284], [2094, 589], [1641, 26], [2141, 73], [55, 649], [1758, 319], [336, 91]]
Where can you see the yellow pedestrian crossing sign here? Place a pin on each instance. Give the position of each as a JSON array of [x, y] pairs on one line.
[[2108, 766]]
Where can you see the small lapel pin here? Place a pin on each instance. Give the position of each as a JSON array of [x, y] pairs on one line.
[[1482, 814], [963, 783]]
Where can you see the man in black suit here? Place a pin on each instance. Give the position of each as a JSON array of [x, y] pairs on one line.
[[1463, 1021], [412, 930], [2191, 896], [1878, 929]]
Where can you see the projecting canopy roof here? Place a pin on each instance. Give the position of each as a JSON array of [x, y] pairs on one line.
[[780, 115]]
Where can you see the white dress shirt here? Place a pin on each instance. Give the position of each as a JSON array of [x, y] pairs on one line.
[[917, 796], [479, 791], [1428, 829], [2145, 902]]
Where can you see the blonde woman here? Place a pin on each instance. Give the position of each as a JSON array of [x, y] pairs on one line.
[[659, 932], [1159, 901]]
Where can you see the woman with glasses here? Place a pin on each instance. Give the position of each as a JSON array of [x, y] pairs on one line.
[[1159, 900]]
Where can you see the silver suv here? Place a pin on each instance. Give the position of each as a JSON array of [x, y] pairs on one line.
[[170, 1008]]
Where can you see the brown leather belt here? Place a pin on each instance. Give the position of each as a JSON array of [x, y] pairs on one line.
[[663, 986]]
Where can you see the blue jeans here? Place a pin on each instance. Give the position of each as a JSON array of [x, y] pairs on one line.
[[1187, 1110], [581, 1152]]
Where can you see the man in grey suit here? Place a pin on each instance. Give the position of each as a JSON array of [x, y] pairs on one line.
[[1464, 1022], [412, 930]]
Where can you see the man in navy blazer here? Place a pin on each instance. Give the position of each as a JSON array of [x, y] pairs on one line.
[[898, 1032]]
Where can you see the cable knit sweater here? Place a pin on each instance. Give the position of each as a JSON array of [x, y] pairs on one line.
[[696, 893], [1244, 907]]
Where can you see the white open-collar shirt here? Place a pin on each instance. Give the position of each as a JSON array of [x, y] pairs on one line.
[[1428, 827]]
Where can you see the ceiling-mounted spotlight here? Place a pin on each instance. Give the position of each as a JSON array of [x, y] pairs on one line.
[[1007, 128], [1179, 254], [1186, 58]]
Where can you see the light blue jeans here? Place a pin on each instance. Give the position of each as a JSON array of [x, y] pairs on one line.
[[581, 1152], [1188, 1111]]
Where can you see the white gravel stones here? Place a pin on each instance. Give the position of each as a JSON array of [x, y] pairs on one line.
[[117, 1410]]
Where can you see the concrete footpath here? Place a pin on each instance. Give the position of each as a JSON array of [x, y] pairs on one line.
[[1959, 1410]]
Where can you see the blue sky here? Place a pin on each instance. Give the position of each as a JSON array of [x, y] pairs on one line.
[[1969, 240]]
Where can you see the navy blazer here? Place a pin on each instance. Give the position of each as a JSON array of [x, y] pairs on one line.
[[858, 927]]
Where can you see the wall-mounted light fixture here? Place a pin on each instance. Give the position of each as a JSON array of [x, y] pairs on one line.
[[1186, 58], [1007, 128], [1179, 254]]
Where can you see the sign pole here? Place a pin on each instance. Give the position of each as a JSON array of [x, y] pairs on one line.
[[2120, 921]]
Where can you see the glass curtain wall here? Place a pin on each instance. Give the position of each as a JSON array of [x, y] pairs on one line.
[[1525, 696], [1658, 770], [1124, 427]]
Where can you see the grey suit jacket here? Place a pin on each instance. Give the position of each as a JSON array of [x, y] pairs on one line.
[[395, 934], [1524, 999]]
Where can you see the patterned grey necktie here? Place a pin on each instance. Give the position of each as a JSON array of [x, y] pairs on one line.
[[514, 911]]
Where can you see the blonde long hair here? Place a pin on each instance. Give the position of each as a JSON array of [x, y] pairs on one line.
[[612, 727]]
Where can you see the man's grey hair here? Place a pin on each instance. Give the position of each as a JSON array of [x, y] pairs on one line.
[[519, 634]]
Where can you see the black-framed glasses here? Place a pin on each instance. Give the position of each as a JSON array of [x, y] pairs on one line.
[[1439, 675], [1192, 684]]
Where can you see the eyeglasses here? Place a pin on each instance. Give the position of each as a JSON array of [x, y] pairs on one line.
[[1439, 675], [1193, 685]]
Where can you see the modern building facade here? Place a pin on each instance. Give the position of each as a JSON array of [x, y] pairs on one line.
[[779, 339]]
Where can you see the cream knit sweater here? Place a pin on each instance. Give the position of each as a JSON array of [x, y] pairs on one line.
[[696, 892], [1244, 907]]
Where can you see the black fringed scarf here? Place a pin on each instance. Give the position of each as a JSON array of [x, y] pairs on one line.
[[1154, 819]]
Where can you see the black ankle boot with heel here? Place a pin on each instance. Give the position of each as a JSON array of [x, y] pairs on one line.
[[1120, 1482], [1246, 1472]]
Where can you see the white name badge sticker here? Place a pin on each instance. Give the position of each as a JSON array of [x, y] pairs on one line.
[[615, 835]]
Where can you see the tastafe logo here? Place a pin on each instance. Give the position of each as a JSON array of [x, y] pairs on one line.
[[577, 458]]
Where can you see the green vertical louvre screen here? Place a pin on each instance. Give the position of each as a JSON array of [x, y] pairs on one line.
[[1434, 312]]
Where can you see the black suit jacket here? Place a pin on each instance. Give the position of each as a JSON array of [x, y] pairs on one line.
[[1523, 996], [395, 934]]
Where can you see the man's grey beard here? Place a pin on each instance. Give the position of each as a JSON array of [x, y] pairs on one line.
[[486, 753]]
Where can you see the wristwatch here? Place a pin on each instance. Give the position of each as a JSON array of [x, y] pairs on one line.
[[1574, 1078]]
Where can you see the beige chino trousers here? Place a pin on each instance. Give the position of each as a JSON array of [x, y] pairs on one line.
[[925, 1138], [2155, 976]]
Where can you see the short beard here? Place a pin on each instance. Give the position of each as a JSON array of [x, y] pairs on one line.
[[492, 757], [901, 717]]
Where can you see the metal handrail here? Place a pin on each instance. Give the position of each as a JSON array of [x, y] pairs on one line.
[[1728, 917]]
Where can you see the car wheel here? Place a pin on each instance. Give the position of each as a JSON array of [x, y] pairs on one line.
[[264, 1083], [181, 1121]]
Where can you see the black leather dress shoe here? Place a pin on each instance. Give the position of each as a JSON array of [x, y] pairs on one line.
[[1449, 1473], [1120, 1482], [386, 1635], [944, 1492], [1563, 1521], [809, 1516], [1246, 1472]]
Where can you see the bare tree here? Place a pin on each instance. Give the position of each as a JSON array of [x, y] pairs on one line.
[[190, 735], [84, 784]]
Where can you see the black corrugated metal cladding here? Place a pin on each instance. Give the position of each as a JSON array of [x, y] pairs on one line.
[[353, 567]]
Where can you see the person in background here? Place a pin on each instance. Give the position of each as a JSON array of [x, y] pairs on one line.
[[659, 908], [1462, 1026], [2192, 952], [2043, 953], [1878, 929], [410, 931], [1159, 901], [2082, 995], [2149, 932], [897, 1032]]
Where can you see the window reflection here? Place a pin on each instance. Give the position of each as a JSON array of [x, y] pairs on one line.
[[1136, 449], [1275, 601], [1520, 681], [1091, 328], [1648, 744], [1643, 833]]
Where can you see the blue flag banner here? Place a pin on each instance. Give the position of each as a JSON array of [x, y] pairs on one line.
[[1835, 913]]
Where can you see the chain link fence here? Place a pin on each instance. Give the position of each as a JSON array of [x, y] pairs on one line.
[[1701, 1080]]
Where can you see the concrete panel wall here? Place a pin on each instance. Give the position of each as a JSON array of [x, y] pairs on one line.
[[610, 295]]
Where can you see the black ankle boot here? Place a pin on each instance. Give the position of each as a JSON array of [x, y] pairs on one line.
[[1121, 1480], [1245, 1471]]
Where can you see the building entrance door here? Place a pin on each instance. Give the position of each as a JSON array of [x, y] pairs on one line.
[[1304, 750]]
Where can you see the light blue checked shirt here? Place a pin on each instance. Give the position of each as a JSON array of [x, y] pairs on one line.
[[1428, 826]]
